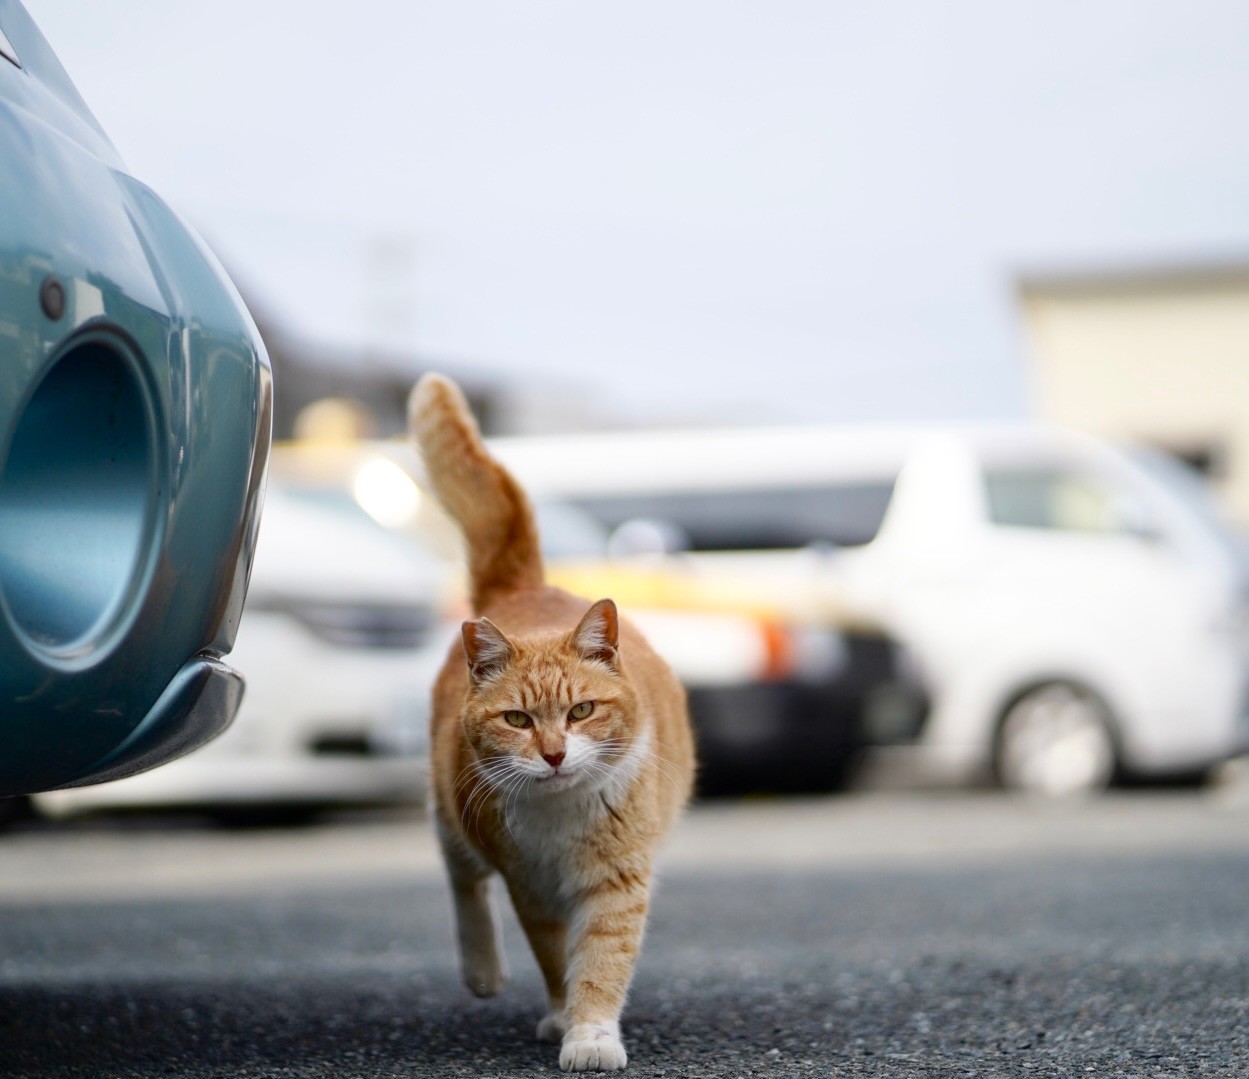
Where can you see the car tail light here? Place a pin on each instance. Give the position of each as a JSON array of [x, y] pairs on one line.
[[778, 652]]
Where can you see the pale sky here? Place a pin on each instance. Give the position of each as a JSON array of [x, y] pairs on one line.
[[791, 208]]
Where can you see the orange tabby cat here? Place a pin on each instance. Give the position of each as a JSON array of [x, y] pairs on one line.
[[561, 752]]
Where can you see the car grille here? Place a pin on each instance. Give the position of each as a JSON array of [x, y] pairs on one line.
[[342, 745], [361, 625]]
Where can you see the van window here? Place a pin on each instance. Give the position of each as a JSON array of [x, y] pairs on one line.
[[843, 515], [1053, 498], [567, 531]]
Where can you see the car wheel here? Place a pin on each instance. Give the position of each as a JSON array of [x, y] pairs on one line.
[[1056, 741]]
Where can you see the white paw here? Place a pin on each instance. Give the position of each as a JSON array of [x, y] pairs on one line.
[[552, 1027], [484, 975], [593, 1047]]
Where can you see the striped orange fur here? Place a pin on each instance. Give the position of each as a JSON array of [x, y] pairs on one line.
[[561, 753]]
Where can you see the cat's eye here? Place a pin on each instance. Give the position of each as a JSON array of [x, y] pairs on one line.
[[580, 711], [517, 719]]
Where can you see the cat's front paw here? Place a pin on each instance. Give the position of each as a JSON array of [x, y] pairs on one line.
[[593, 1047], [552, 1027], [484, 975]]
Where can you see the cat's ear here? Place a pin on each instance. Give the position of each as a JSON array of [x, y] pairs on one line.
[[597, 635], [486, 648]]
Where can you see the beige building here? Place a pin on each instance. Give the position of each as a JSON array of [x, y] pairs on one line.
[[1160, 357]]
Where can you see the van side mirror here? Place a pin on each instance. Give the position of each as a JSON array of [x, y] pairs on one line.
[[647, 536], [1132, 517]]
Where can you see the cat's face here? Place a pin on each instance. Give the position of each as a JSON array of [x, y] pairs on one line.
[[549, 713]]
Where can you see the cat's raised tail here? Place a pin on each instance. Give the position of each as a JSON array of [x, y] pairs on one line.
[[480, 494]]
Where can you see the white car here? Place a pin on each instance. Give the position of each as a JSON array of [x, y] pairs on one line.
[[341, 638], [1078, 611]]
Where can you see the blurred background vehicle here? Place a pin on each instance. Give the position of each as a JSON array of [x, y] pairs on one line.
[[344, 631], [780, 702], [1078, 612], [1081, 612], [135, 417]]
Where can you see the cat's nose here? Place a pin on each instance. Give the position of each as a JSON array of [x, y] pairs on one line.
[[553, 759]]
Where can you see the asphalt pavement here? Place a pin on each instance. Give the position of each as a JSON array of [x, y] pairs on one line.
[[917, 935]]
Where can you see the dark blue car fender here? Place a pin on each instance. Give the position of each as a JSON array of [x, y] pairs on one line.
[[135, 417]]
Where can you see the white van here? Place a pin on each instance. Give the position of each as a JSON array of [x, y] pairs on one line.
[[1078, 612]]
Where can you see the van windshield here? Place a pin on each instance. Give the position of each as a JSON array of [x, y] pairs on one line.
[[1188, 486], [842, 515]]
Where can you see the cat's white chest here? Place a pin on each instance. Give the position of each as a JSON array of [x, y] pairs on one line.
[[548, 834]]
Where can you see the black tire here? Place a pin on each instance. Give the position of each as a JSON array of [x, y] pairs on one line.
[[13, 810], [266, 816]]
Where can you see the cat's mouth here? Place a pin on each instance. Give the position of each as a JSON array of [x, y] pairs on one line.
[[558, 777]]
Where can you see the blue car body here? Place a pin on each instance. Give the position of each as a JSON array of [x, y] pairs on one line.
[[135, 412]]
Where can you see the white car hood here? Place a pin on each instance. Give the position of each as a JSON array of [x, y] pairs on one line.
[[310, 550]]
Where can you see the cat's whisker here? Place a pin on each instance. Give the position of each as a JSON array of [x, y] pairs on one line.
[[489, 777], [669, 772], [488, 796], [475, 770], [469, 786], [666, 769], [468, 817], [522, 780], [484, 777], [607, 775]]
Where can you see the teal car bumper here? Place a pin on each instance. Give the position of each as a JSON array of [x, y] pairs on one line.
[[135, 410]]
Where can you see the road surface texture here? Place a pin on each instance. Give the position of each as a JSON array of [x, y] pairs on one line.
[[915, 935]]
